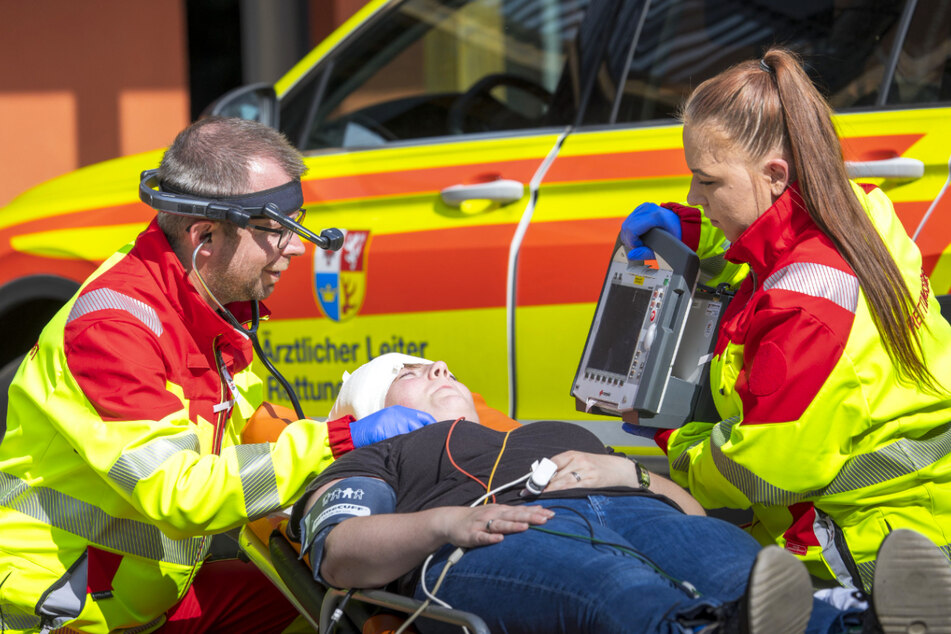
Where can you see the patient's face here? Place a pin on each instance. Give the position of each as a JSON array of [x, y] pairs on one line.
[[432, 388]]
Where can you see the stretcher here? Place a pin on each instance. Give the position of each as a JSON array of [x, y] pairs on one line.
[[366, 611], [266, 545]]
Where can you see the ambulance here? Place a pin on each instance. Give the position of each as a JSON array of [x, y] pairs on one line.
[[480, 155]]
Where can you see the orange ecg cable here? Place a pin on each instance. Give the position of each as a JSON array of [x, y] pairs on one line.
[[495, 466], [460, 469]]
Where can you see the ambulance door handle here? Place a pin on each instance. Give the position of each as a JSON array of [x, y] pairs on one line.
[[502, 191], [899, 167]]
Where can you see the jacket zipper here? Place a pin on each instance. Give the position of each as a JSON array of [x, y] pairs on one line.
[[228, 394], [226, 390]]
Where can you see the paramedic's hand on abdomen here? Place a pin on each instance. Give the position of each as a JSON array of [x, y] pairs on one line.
[[347, 434], [580, 469], [645, 217]]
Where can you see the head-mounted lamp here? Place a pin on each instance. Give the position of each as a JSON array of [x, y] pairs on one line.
[[274, 204]]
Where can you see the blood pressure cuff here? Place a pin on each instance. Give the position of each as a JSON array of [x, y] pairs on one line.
[[357, 496]]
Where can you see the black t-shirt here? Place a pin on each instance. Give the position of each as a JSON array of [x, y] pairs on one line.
[[431, 466], [450, 463]]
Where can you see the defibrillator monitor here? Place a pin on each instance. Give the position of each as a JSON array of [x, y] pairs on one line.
[[651, 338]]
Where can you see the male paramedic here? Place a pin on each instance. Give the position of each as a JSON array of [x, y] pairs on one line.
[[123, 453]]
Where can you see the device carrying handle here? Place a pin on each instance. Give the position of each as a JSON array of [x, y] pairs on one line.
[[673, 251]]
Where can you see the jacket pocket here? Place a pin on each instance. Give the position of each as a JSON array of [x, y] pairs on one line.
[[64, 600], [95, 595], [836, 553]]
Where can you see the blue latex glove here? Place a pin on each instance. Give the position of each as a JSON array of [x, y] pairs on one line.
[[645, 217], [639, 430], [388, 422]]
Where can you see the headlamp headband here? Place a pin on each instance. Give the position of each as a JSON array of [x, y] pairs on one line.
[[284, 199], [275, 204]]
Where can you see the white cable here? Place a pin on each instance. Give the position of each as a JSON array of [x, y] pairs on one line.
[[201, 280], [934, 204], [512, 266], [450, 562], [227, 313], [431, 596], [457, 554], [501, 488]]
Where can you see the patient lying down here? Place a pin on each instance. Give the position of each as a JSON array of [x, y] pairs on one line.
[[600, 549]]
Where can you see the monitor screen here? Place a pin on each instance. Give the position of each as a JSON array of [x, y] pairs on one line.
[[621, 321]]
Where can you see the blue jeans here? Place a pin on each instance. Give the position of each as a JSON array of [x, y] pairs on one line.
[[537, 581]]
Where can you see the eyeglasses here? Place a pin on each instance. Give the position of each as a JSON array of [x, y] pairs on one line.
[[283, 232]]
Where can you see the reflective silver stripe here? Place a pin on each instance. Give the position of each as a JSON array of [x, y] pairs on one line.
[[257, 479], [817, 280], [140, 463], [31, 621], [18, 621], [867, 573], [95, 525], [722, 429], [106, 298], [682, 462], [897, 459]]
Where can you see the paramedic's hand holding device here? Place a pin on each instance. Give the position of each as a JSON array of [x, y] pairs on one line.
[[647, 350], [645, 217]]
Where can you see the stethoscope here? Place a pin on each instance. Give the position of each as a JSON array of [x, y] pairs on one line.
[[273, 204], [330, 240]]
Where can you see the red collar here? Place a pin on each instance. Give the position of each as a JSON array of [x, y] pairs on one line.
[[203, 322], [773, 233]]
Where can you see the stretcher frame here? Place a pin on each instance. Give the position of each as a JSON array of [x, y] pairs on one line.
[[280, 563]]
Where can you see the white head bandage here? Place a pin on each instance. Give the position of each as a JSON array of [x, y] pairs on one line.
[[364, 392]]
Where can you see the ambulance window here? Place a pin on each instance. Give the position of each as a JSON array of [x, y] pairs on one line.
[[923, 72], [845, 45], [431, 68]]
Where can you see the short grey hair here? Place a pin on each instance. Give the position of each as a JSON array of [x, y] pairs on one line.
[[212, 158]]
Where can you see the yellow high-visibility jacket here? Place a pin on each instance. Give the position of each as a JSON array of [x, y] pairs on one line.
[[820, 435], [123, 450]]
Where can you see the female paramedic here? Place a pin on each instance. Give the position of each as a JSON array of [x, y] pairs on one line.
[[832, 367], [599, 549]]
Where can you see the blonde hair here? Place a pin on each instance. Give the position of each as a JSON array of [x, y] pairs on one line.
[[771, 104]]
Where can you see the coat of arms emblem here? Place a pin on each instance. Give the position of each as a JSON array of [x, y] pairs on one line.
[[340, 276]]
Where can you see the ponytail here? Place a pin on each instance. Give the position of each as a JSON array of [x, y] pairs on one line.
[[772, 104]]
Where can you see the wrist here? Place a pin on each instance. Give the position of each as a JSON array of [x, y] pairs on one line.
[[338, 435], [642, 475], [442, 521]]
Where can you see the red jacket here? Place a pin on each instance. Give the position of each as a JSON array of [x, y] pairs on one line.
[[820, 435], [124, 448]]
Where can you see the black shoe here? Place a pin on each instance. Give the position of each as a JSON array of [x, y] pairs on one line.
[[778, 598], [911, 592]]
